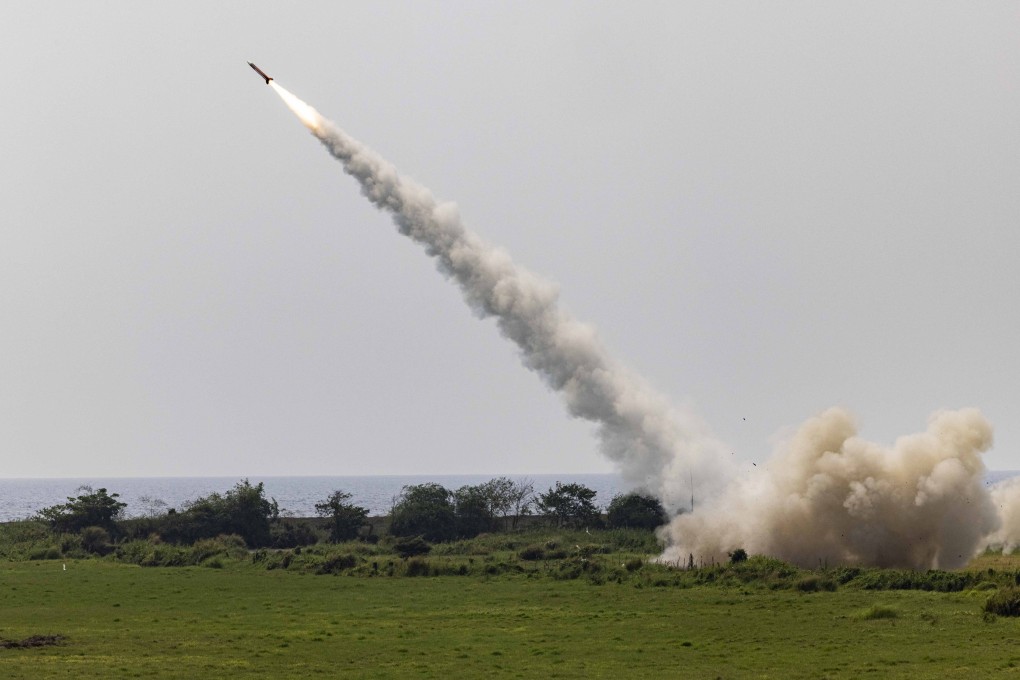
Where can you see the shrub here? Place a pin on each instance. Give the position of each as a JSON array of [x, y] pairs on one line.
[[1005, 602], [336, 563], [814, 583], [48, 553], [634, 564], [96, 540], [243, 510], [91, 508], [473, 510], [877, 611], [424, 510], [738, 555], [289, 534], [532, 552], [569, 505], [417, 567], [411, 546], [635, 511], [345, 518]]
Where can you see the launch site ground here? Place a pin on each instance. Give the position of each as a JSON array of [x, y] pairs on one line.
[[563, 604]]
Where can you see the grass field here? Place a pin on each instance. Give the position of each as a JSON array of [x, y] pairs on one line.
[[240, 621]]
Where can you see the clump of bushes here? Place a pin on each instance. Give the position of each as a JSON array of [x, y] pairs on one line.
[[96, 540], [417, 567], [877, 611], [532, 552], [737, 556], [1004, 602], [411, 546], [336, 563], [46, 553], [814, 583]]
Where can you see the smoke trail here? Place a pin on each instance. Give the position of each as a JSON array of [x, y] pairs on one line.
[[654, 444], [827, 496]]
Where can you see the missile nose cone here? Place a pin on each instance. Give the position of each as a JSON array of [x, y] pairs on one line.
[[260, 72]]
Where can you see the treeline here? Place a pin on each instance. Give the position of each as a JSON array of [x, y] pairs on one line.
[[429, 511]]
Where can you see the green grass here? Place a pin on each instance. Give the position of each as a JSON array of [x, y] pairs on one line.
[[242, 620]]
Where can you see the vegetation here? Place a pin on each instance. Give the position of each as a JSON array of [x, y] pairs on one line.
[[635, 511], [90, 509], [345, 518], [569, 505], [424, 618], [1005, 602], [555, 598], [551, 601], [425, 510]]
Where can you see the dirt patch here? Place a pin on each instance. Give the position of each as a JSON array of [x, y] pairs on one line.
[[33, 641]]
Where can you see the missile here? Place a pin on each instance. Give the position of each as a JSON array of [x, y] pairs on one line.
[[260, 72]]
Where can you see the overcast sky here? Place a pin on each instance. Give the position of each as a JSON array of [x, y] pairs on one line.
[[766, 209]]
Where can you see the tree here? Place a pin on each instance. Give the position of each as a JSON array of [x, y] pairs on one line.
[[424, 510], [569, 505], [89, 509], [345, 518], [509, 499], [737, 556], [635, 511], [473, 509], [243, 510]]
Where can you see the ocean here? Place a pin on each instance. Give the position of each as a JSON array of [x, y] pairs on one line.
[[296, 496]]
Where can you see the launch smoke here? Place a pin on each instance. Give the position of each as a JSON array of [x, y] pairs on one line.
[[827, 496], [830, 497], [636, 427]]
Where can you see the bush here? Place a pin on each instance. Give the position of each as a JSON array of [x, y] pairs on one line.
[[570, 505], [412, 546], [49, 553], [90, 509], [243, 510], [473, 511], [532, 552], [634, 564], [424, 510], [345, 518], [635, 511], [289, 534], [417, 567], [878, 611], [1005, 602], [814, 583], [96, 540], [738, 555], [336, 563]]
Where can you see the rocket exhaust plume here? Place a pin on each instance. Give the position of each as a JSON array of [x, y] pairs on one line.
[[827, 495], [637, 427]]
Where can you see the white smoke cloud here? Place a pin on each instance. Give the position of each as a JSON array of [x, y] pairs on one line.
[[827, 496], [1006, 499]]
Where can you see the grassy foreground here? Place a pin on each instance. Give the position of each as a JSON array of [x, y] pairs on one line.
[[122, 620]]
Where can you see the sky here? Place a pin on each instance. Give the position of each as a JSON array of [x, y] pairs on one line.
[[766, 209]]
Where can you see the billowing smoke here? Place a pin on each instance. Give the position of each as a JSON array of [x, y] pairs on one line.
[[827, 496], [653, 443], [1006, 499]]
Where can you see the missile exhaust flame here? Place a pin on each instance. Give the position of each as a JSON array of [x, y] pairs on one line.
[[826, 495]]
